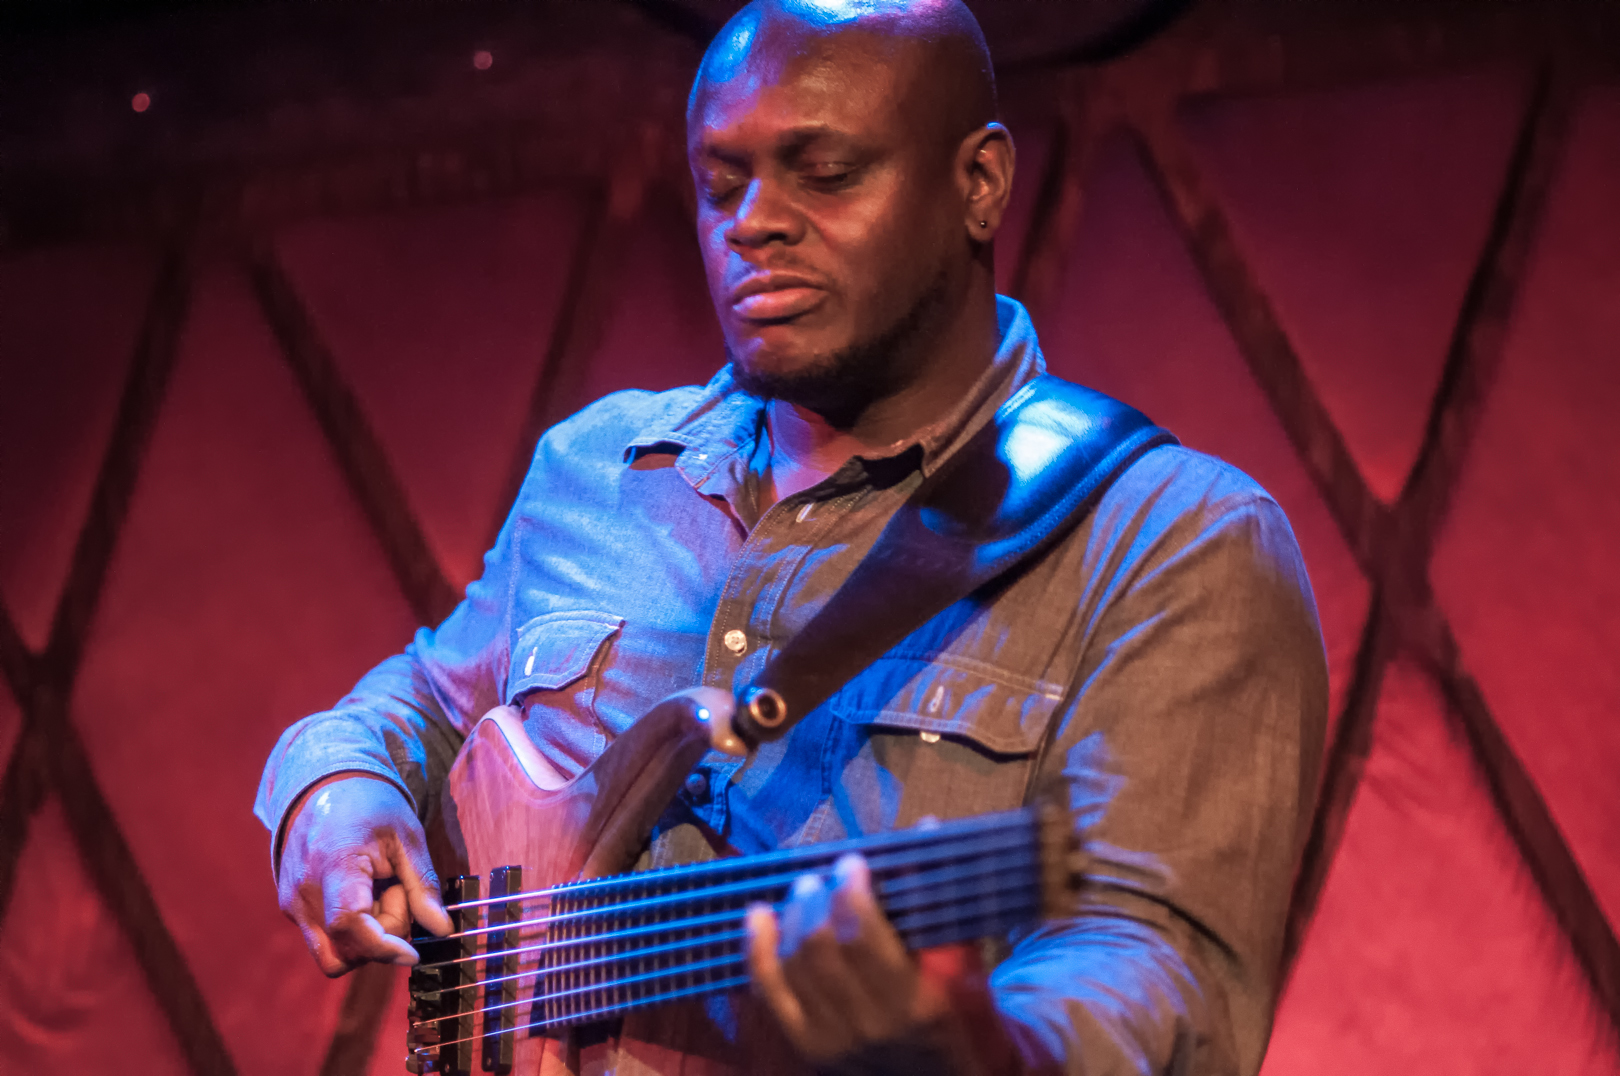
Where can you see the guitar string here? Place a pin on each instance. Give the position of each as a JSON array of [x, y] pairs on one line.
[[878, 865], [886, 863], [701, 988], [615, 984], [711, 939], [959, 879], [898, 896], [887, 884], [622, 1004], [898, 901], [913, 922], [619, 1006], [650, 928], [872, 843], [950, 924]]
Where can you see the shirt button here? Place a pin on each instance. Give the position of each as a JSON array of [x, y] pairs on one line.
[[735, 641], [697, 785]]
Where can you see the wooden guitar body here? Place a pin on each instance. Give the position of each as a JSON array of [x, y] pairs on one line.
[[511, 806], [553, 939], [506, 806]]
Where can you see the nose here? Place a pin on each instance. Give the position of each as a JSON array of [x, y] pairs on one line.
[[763, 217]]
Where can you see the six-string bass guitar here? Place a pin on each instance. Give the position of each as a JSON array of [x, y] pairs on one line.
[[550, 933]]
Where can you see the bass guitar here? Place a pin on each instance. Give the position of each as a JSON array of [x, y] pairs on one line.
[[551, 933]]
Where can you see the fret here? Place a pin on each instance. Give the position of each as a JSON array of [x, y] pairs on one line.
[[541, 1013], [565, 1001]]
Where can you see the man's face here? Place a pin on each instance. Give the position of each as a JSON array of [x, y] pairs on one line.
[[825, 215]]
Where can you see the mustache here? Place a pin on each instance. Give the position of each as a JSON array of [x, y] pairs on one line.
[[751, 279]]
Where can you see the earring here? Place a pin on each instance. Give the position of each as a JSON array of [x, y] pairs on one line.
[[984, 224]]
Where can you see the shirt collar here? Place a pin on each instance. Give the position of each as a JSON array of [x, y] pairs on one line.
[[725, 422]]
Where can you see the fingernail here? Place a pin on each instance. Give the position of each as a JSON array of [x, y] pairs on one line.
[[851, 870], [806, 884]]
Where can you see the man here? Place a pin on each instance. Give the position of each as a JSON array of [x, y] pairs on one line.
[[1163, 661]]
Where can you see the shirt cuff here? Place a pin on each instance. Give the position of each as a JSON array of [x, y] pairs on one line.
[[312, 750]]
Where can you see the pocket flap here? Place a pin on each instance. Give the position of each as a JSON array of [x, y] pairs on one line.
[[951, 697], [554, 650]]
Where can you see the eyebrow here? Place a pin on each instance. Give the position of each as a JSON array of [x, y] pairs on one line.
[[794, 140]]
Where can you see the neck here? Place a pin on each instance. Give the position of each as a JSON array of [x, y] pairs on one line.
[[592, 950], [807, 446]]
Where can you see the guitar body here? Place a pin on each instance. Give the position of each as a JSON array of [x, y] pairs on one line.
[[554, 941], [511, 806], [506, 805]]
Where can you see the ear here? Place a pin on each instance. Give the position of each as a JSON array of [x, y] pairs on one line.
[[984, 167]]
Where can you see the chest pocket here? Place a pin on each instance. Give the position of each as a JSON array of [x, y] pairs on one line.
[[556, 670], [945, 736]]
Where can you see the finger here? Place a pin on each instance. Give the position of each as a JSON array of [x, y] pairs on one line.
[[872, 944], [301, 902], [361, 939], [883, 976], [765, 971], [948, 976], [855, 911], [321, 948], [805, 912], [414, 868], [836, 1025], [355, 934], [355, 940], [391, 911], [815, 969]]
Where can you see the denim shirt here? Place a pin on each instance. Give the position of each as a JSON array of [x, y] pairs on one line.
[[1166, 655]]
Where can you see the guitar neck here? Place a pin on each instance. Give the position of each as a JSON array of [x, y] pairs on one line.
[[593, 950]]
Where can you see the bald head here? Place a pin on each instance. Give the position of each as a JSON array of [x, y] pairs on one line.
[[850, 176], [949, 83]]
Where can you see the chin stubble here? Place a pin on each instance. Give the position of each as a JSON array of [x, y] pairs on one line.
[[839, 385]]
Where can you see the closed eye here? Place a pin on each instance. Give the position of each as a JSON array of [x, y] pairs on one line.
[[721, 185], [829, 175]]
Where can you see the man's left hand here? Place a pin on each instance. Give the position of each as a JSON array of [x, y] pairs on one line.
[[836, 976]]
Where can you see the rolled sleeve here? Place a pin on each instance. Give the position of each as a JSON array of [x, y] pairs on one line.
[[407, 718]]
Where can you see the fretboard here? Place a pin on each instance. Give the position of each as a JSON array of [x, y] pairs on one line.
[[533, 962]]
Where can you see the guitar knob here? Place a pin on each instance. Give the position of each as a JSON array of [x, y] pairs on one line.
[[761, 715]]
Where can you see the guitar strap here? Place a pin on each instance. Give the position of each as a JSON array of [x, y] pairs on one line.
[[1024, 480]]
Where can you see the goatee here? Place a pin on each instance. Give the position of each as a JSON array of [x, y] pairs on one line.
[[839, 385]]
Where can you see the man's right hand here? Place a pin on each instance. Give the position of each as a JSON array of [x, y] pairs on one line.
[[348, 833]]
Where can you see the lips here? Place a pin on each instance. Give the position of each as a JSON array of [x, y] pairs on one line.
[[776, 296]]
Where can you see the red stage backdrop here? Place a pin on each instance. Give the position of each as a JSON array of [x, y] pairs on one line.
[[258, 422]]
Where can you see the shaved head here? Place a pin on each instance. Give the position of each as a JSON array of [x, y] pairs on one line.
[[956, 95], [850, 173]]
